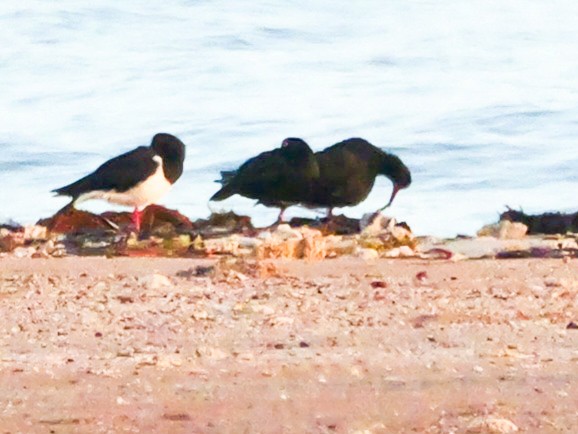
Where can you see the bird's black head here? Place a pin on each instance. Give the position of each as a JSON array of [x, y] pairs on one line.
[[393, 168], [398, 173], [172, 151], [295, 147], [301, 156]]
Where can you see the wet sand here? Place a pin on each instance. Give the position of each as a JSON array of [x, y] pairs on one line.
[[172, 346]]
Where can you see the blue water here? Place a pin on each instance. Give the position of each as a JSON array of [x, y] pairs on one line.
[[479, 98]]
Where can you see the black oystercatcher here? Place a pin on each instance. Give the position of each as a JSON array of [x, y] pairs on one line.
[[137, 178], [278, 178], [347, 173]]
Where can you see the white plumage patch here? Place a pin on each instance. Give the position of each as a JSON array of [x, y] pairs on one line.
[[145, 193]]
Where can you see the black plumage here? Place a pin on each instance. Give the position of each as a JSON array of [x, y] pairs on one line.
[[136, 178], [278, 178], [347, 172]]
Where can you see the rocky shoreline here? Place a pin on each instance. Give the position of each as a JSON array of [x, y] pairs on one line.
[[167, 233]]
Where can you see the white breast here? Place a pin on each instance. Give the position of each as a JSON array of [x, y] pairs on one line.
[[145, 193]]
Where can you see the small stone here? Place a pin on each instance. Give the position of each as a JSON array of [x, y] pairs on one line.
[[366, 254], [284, 232], [504, 230], [406, 252], [177, 417], [572, 326], [421, 276], [24, 252], [99, 287], [250, 242], [200, 315], [393, 253], [155, 281], [492, 425], [373, 223], [35, 232], [552, 282], [356, 372]]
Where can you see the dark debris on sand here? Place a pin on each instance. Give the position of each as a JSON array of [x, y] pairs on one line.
[[545, 223]]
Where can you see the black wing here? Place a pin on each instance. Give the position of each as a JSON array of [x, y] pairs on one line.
[[347, 173], [253, 176], [120, 173]]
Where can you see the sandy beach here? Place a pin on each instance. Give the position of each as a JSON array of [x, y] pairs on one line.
[[241, 346]]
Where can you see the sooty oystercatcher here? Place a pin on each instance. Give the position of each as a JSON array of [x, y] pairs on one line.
[[137, 178], [278, 178], [347, 172]]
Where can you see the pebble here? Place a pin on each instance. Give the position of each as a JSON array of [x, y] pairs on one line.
[[493, 425], [155, 281], [366, 254], [35, 232], [504, 230]]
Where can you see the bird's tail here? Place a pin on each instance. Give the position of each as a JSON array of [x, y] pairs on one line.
[[225, 192], [226, 176], [76, 188]]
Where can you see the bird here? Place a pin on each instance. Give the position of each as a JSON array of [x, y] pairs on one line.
[[136, 178], [347, 172], [278, 178]]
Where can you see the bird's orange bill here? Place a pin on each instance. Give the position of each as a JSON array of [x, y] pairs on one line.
[[396, 188]]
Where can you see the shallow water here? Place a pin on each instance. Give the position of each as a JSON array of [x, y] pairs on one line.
[[479, 99]]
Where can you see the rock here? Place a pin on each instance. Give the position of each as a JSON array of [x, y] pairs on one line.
[[155, 281], [249, 242], [547, 223], [99, 287], [24, 252], [384, 234], [276, 248], [504, 230], [156, 220], [490, 424], [337, 245], [223, 224], [10, 240], [336, 225], [287, 242], [162, 221], [399, 252], [228, 244], [366, 253], [406, 252], [35, 232], [392, 253], [71, 220], [285, 232], [314, 245], [374, 223]]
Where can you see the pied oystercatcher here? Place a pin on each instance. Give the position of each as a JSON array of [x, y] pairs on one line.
[[137, 178]]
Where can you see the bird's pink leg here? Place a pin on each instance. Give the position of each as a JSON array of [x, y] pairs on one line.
[[136, 219], [280, 218]]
